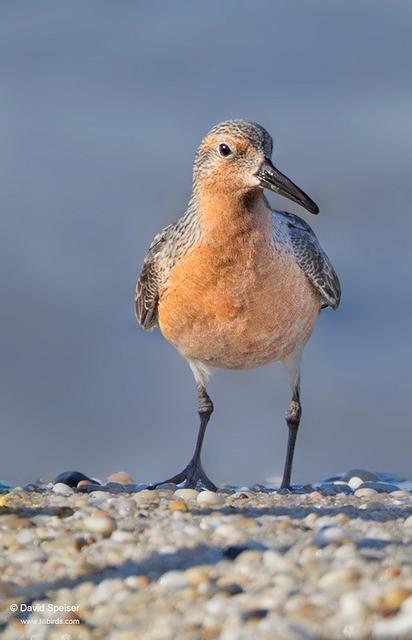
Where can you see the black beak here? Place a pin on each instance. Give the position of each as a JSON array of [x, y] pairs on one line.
[[271, 178]]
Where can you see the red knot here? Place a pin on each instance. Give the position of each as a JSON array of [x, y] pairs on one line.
[[234, 284]]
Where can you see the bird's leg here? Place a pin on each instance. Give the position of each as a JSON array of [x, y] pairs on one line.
[[292, 417], [193, 474]]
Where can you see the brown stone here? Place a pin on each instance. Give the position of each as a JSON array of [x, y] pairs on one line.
[[120, 476]]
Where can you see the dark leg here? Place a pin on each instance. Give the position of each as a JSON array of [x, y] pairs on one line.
[[193, 474], [292, 417]]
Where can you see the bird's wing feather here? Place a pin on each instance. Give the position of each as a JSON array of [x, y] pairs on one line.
[[147, 286], [313, 260]]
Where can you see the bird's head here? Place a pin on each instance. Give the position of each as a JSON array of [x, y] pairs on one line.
[[235, 157]]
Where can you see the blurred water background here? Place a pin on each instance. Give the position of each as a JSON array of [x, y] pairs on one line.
[[102, 106]]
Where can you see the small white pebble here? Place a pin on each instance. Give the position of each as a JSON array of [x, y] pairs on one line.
[[345, 552], [398, 628], [378, 533], [408, 523], [329, 535], [228, 531], [125, 507], [249, 558], [122, 536], [27, 556], [355, 482], [105, 591], [400, 494], [337, 578], [173, 580], [98, 497], [352, 607], [365, 492], [187, 495], [209, 499], [62, 489], [275, 561], [216, 607], [26, 536], [103, 524]]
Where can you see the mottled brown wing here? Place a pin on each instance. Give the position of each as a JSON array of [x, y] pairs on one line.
[[314, 261], [147, 286]]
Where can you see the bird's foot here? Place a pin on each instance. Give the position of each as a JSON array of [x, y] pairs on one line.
[[192, 477], [284, 490]]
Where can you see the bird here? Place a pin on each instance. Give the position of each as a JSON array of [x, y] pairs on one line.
[[235, 284]]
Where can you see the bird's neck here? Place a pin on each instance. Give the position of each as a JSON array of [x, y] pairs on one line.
[[227, 215]]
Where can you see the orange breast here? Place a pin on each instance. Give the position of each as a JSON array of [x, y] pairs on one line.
[[237, 304]]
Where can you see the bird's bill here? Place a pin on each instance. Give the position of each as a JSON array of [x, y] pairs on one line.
[[271, 178]]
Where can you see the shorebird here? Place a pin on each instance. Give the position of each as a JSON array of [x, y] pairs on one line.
[[234, 284]]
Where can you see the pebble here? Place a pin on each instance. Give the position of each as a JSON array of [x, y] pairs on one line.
[[393, 598], [121, 536], [26, 536], [377, 533], [315, 495], [365, 492], [173, 580], [27, 556], [100, 522], [408, 523], [397, 628], [136, 582], [197, 575], [311, 519], [399, 493], [407, 605], [249, 558], [98, 496], [124, 506], [62, 489], [338, 578], [177, 505], [105, 590], [329, 535], [146, 496], [210, 499], [355, 482], [275, 561], [188, 495], [228, 531], [391, 572], [120, 476], [352, 606]]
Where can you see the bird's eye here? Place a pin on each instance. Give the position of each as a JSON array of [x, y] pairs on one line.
[[224, 150]]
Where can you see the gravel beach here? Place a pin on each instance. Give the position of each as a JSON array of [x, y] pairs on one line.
[[331, 562]]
